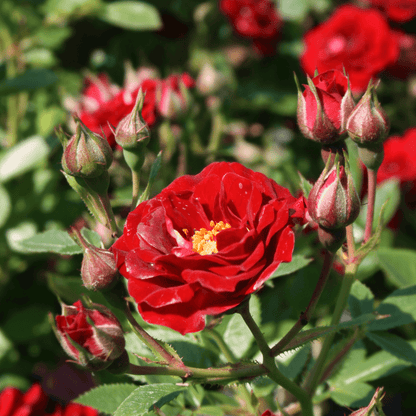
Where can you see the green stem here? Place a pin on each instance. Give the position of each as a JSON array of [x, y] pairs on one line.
[[135, 178], [150, 342], [270, 364], [306, 316], [232, 372], [215, 137], [372, 183], [315, 375]]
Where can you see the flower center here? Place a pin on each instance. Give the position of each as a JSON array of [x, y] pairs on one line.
[[204, 242]]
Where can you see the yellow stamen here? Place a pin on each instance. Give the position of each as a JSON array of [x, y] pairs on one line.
[[203, 240]]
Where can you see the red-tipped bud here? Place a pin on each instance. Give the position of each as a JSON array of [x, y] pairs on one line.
[[98, 268], [132, 131], [333, 202], [368, 124], [324, 107], [91, 337], [86, 154]]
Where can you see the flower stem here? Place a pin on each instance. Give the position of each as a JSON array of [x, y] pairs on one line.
[[232, 372], [150, 342], [350, 243], [306, 316], [270, 364], [135, 178], [372, 182], [315, 375], [215, 137]]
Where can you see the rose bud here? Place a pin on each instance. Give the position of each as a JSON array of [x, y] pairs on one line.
[[368, 124], [86, 154], [98, 267], [324, 106], [333, 202], [132, 131], [93, 338]]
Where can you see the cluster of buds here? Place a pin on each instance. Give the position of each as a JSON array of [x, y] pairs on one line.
[[92, 337], [326, 110]]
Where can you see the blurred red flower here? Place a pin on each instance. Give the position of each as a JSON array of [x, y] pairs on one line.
[[399, 158], [104, 104], [205, 243], [34, 403], [397, 10], [255, 19], [358, 40]]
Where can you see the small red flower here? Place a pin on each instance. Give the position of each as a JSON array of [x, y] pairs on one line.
[[34, 402], [358, 40], [205, 243], [397, 10], [324, 106], [255, 19]]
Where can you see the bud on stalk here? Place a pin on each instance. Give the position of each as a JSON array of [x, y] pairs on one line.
[[86, 154], [93, 338], [98, 268]]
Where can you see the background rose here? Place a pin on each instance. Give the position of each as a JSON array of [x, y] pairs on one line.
[[399, 158], [397, 10], [239, 221], [357, 39]]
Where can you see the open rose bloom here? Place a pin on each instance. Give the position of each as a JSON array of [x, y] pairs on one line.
[[205, 243]]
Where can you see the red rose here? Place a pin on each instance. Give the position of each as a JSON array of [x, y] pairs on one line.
[[397, 10], [205, 243], [359, 40], [255, 19], [34, 403], [399, 158], [325, 123], [92, 337]]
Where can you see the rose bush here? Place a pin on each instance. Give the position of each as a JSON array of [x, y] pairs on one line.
[[205, 243], [358, 40], [397, 10], [322, 113]]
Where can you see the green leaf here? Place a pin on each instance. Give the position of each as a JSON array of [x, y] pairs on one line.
[[380, 364], [292, 362], [142, 400], [133, 15], [399, 265], [106, 398], [237, 335], [293, 9], [352, 395], [400, 305], [23, 157], [52, 241], [92, 237], [298, 262], [388, 191], [305, 185], [5, 204], [32, 79], [361, 299], [395, 345]]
